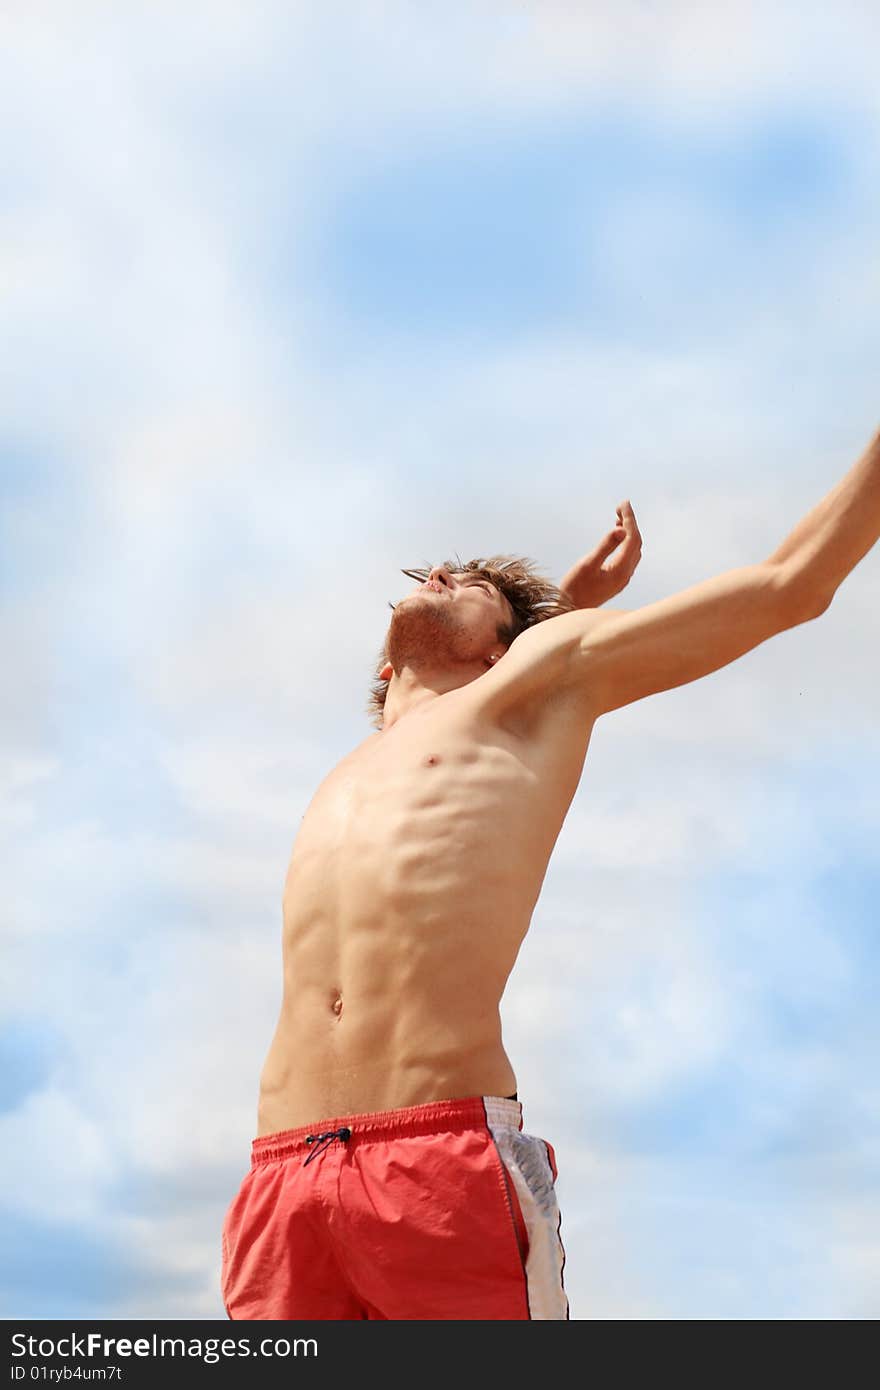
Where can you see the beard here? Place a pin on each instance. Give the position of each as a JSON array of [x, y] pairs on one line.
[[424, 634]]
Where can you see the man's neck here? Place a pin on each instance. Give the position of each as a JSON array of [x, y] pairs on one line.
[[409, 690]]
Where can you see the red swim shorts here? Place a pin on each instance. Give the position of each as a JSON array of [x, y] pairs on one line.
[[439, 1211]]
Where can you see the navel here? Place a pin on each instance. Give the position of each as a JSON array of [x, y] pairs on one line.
[[336, 1005], [431, 759]]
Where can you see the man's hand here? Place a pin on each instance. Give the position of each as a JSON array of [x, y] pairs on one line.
[[608, 568]]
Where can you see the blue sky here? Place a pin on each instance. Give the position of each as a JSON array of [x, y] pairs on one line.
[[303, 295]]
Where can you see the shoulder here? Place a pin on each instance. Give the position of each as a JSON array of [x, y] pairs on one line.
[[544, 661], [557, 639]]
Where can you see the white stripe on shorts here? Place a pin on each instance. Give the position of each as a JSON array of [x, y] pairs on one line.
[[528, 1165]]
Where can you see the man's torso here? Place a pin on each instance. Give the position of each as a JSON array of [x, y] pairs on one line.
[[411, 885]]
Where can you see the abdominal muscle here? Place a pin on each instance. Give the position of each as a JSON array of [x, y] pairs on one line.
[[364, 1051], [386, 1009], [410, 888]]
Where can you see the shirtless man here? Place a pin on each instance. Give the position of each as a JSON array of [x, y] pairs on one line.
[[390, 1176]]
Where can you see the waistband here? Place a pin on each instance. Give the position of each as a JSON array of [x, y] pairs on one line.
[[473, 1112]]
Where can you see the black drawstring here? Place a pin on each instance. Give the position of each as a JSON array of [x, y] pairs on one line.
[[324, 1140]]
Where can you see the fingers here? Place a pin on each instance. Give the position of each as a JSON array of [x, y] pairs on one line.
[[627, 519], [627, 544], [610, 541]]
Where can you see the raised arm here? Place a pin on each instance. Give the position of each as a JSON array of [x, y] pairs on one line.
[[624, 656]]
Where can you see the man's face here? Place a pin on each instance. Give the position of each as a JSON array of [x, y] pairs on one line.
[[451, 619]]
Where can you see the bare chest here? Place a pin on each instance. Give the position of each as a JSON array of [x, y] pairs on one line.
[[421, 782], [439, 790]]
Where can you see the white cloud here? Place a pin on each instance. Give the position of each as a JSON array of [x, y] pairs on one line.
[[854, 1254], [629, 997], [18, 776], [56, 1159], [683, 52]]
